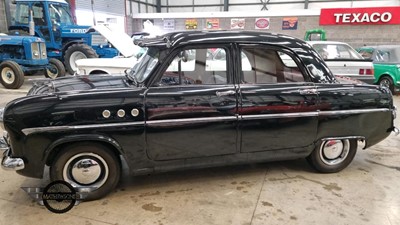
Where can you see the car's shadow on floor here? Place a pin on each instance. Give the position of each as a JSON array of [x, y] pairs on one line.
[[210, 175]]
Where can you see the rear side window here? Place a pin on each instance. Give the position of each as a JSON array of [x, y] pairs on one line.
[[262, 65]]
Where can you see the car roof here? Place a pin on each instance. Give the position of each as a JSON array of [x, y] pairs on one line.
[[176, 39], [326, 42], [380, 47]]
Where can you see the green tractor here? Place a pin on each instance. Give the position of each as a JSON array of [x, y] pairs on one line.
[[315, 35]]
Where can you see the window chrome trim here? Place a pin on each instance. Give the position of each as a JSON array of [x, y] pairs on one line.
[[28, 131]]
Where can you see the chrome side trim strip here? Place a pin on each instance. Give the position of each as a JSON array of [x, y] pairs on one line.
[[280, 115], [342, 138], [28, 131], [193, 120], [351, 111]]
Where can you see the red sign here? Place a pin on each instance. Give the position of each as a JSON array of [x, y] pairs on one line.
[[360, 16]]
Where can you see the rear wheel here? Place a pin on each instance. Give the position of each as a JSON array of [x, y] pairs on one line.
[[75, 52], [387, 82], [55, 69], [12, 75], [332, 156], [91, 167]]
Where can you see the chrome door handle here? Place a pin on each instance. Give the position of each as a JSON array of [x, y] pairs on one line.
[[308, 91], [224, 93]]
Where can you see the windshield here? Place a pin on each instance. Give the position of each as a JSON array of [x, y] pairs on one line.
[[336, 51], [60, 14], [147, 63]]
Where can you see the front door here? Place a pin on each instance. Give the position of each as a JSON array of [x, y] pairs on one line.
[[191, 111]]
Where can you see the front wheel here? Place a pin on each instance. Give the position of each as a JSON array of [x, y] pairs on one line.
[[55, 69], [334, 155], [75, 52], [12, 75], [91, 167]]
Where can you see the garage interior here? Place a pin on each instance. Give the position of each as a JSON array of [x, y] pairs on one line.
[[286, 192]]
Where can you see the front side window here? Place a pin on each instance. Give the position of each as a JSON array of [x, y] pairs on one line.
[[197, 66], [262, 65]]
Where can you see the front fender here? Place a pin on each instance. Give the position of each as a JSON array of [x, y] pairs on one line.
[[51, 151]]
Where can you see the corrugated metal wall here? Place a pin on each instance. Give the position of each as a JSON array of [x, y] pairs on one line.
[[3, 22], [115, 7]]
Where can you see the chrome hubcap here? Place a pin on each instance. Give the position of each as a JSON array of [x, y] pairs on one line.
[[8, 75], [385, 83], [75, 56], [333, 152], [86, 170]]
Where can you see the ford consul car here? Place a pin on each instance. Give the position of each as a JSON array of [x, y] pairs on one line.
[[270, 97]]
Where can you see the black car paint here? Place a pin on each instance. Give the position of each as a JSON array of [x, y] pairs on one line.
[[194, 126]]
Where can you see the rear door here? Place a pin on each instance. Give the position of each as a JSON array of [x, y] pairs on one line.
[[277, 105]]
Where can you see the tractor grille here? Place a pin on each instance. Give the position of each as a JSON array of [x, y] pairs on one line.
[[97, 39], [35, 50], [39, 50], [43, 50]]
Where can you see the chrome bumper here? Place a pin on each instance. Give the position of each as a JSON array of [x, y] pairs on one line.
[[396, 131], [9, 163]]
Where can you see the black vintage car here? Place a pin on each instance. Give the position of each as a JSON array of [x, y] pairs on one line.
[[265, 97]]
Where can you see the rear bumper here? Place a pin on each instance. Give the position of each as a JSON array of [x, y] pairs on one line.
[[8, 162]]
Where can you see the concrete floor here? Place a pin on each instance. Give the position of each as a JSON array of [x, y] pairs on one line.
[[288, 192]]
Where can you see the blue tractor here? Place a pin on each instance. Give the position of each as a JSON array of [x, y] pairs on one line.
[[52, 20], [20, 55]]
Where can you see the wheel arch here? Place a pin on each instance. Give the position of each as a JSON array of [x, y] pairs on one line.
[[57, 146], [67, 44], [99, 71], [386, 74]]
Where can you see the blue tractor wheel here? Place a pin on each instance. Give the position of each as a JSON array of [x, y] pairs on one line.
[[55, 69], [11, 75], [75, 52]]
